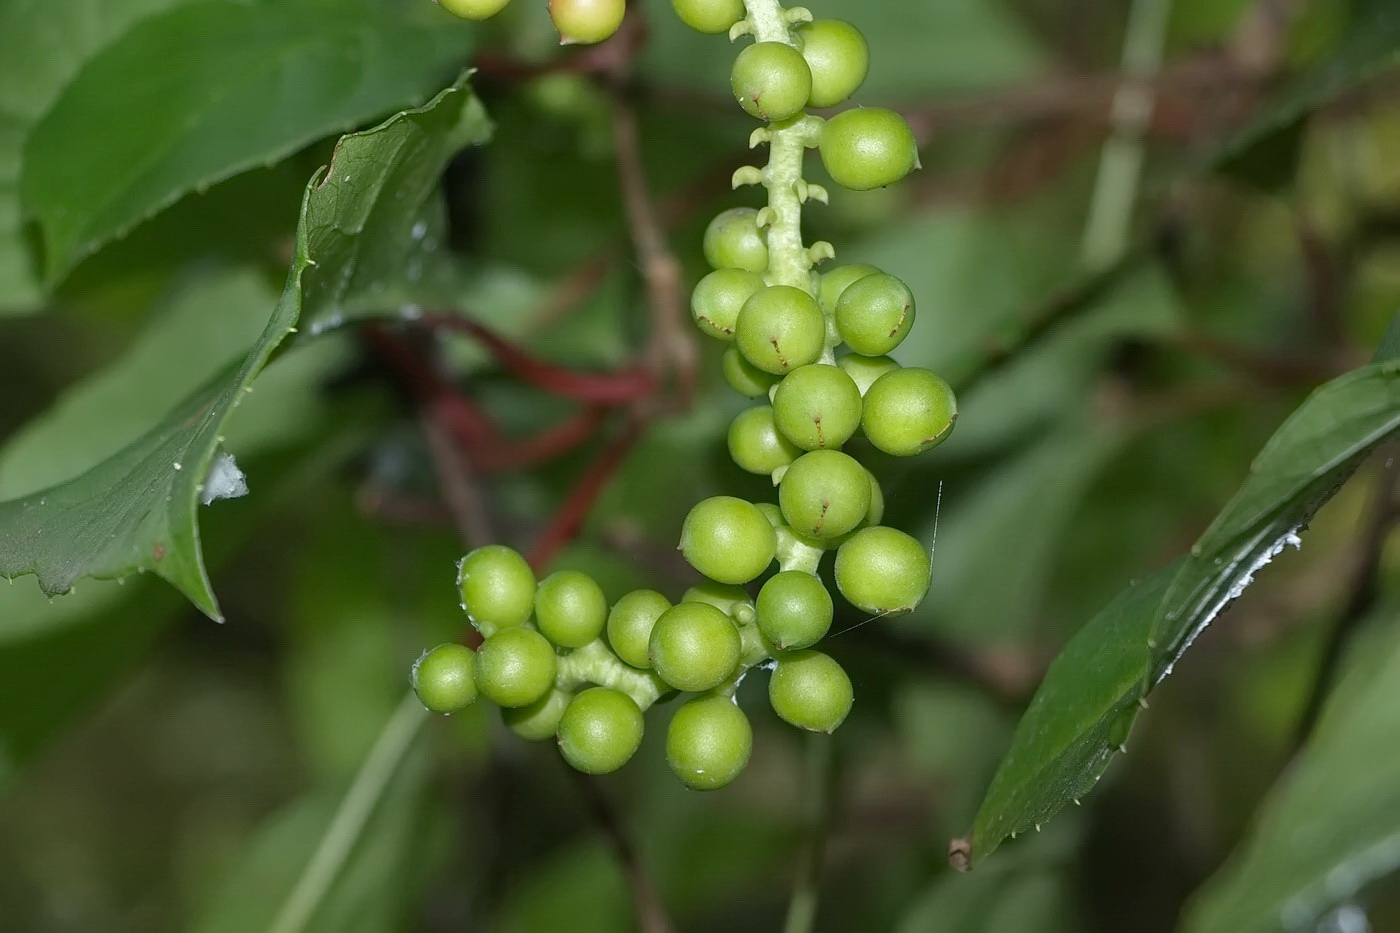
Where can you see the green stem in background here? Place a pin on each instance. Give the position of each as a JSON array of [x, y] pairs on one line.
[[820, 787], [348, 824], [1120, 166]]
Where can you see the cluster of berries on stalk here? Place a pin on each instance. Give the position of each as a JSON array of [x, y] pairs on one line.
[[559, 660]]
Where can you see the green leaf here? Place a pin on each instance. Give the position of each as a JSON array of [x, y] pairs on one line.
[[136, 510], [1332, 824], [1084, 708], [47, 43], [239, 85]]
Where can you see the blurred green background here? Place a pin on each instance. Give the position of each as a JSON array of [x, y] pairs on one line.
[[159, 771]]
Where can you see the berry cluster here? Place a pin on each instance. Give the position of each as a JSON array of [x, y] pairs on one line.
[[561, 662]]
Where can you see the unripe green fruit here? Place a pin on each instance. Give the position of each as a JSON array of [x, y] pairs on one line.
[[497, 587], [515, 667], [780, 328], [443, 680], [630, 623], [708, 742], [756, 445], [868, 148], [771, 81], [908, 411], [717, 298], [723, 596], [539, 720], [733, 241], [473, 9], [825, 494], [727, 539], [794, 609], [711, 17], [585, 22], [600, 730], [838, 57], [876, 512], [694, 647], [570, 608], [883, 570], [773, 514], [833, 284], [864, 370], [874, 314], [744, 377], [817, 406], [811, 691]]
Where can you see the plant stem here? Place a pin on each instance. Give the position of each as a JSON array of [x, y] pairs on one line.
[[821, 782]]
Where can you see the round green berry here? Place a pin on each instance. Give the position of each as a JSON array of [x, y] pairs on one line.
[[868, 148], [711, 17], [694, 646], [708, 742], [443, 679], [539, 720], [727, 539], [864, 370], [874, 315], [838, 57], [473, 9], [817, 406], [585, 22], [744, 377], [717, 298], [756, 445], [883, 570], [832, 284], [794, 609], [733, 241], [780, 328], [824, 494], [771, 80], [908, 411], [570, 608], [630, 623], [600, 730], [876, 512], [810, 690], [723, 596], [515, 667], [773, 514], [497, 587]]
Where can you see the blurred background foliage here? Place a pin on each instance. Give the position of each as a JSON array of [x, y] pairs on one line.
[[159, 771]]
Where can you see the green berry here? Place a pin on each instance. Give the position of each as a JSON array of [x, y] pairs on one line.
[[780, 328], [771, 80], [728, 539], [908, 411], [883, 570], [744, 377], [794, 609], [708, 742], [630, 623], [473, 9], [833, 284], [585, 22], [838, 57], [864, 370], [876, 512], [811, 691], [874, 314], [723, 596], [443, 680], [711, 17], [694, 647], [539, 720], [497, 587], [756, 445], [717, 298], [868, 148], [570, 608], [825, 494], [817, 406], [773, 514], [515, 667], [600, 730], [733, 241]]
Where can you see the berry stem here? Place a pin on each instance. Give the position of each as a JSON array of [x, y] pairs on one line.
[[595, 664]]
